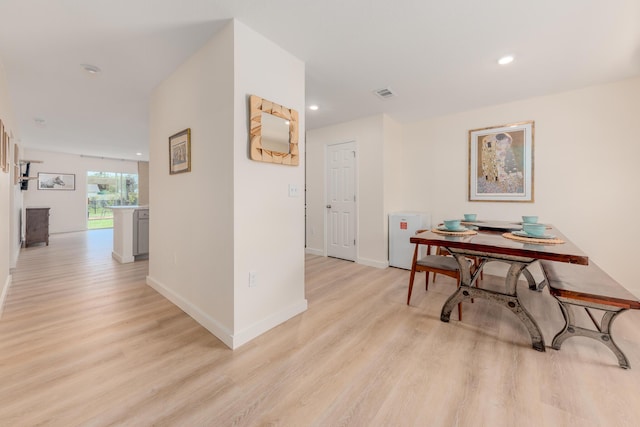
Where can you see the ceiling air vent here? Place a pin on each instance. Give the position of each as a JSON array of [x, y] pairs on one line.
[[384, 93]]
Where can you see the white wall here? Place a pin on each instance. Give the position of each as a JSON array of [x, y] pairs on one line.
[[191, 229], [143, 183], [586, 155], [393, 172], [378, 141], [229, 215], [68, 208], [268, 224], [16, 201], [10, 198]]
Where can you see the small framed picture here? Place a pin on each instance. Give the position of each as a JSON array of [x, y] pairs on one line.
[[501, 163], [180, 152], [56, 181], [16, 164], [4, 151]]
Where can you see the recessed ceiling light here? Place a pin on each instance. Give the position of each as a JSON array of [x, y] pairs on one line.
[[138, 154], [90, 69], [313, 107], [506, 60]]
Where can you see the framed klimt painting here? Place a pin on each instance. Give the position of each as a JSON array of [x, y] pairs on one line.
[[501, 163], [180, 152]]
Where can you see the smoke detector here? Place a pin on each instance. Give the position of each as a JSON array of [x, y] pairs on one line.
[[384, 93]]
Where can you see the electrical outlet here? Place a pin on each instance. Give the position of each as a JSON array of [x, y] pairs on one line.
[[252, 279]]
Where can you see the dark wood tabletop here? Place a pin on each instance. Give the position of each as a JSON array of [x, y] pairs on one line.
[[490, 240]]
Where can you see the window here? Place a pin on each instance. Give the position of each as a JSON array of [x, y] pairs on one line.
[[108, 189]]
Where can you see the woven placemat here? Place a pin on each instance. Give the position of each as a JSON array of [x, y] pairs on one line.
[[455, 233], [533, 240]]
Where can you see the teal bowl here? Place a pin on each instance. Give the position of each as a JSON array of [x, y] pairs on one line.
[[452, 224], [534, 230], [530, 219]]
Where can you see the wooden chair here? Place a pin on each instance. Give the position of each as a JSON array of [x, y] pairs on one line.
[[436, 264], [476, 262]]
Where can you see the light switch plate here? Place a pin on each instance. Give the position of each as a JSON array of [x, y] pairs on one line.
[[293, 190]]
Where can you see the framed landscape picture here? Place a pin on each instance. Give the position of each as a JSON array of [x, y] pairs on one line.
[[501, 163], [56, 181], [180, 152]]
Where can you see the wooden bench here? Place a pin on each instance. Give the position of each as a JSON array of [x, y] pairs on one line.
[[591, 288]]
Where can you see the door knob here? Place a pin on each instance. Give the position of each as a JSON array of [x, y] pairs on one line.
[[328, 206]]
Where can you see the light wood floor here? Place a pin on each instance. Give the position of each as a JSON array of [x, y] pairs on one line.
[[83, 341]]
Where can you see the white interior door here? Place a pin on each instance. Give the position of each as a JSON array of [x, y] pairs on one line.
[[341, 201]]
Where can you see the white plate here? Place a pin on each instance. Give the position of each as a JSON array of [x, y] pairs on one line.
[[524, 234], [457, 230]]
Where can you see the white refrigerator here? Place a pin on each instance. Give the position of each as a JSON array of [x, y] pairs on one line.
[[402, 226]]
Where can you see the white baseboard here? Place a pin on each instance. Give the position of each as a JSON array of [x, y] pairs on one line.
[[373, 263], [121, 259], [4, 292], [212, 325], [231, 340], [270, 322], [312, 251], [15, 256], [363, 261]]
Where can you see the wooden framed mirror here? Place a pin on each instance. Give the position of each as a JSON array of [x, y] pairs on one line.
[[273, 132]]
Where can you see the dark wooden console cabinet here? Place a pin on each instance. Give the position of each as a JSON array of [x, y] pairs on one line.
[[37, 226]]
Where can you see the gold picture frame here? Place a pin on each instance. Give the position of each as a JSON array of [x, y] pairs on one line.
[[501, 163], [180, 152]]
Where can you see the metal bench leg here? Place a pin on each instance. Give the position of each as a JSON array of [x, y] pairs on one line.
[[602, 333]]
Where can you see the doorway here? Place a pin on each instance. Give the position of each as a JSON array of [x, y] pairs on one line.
[[106, 189], [341, 201]]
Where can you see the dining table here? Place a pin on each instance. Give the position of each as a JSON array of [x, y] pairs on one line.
[[499, 241]]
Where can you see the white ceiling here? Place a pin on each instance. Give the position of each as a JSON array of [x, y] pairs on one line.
[[438, 56]]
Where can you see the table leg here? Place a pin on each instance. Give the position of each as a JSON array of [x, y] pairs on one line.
[[510, 299], [413, 272], [532, 282]]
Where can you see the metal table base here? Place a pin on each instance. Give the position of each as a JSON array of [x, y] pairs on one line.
[[509, 298]]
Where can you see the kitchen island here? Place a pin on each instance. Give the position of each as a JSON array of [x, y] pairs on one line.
[[130, 232]]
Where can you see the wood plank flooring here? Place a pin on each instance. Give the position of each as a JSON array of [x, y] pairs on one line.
[[84, 341]]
